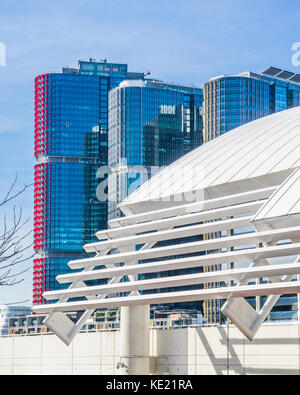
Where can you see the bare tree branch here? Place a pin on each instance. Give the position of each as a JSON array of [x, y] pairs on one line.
[[15, 249], [11, 195]]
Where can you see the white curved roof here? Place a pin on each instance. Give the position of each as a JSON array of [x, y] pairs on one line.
[[263, 152]]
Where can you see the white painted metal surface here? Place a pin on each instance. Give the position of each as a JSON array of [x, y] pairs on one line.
[[184, 296], [180, 281], [283, 208], [183, 263]]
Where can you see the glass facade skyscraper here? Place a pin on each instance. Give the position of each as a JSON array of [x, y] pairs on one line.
[[232, 101], [71, 143], [151, 124]]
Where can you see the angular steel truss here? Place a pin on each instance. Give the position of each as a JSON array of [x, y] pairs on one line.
[[123, 248]]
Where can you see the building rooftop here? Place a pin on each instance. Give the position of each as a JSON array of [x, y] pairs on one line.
[[271, 72], [101, 67]]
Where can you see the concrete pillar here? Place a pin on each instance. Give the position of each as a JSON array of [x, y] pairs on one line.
[[135, 341]]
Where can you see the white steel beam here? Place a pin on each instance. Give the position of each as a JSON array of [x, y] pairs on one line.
[[179, 281], [231, 200], [173, 234], [60, 323], [187, 219], [175, 297], [187, 248], [185, 263]]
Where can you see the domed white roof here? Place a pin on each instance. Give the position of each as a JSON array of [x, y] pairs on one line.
[[264, 152]]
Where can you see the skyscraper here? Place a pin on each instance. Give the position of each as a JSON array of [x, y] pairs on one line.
[[151, 124], [231, 101], [71, 143]]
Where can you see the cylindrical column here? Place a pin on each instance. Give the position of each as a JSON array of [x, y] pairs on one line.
[[134, 345]]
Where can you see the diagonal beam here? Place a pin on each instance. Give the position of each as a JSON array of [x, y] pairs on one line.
[[187, 296], [187, 248], [179, 220], [186, 263], [179, 281], [169, 234], [227, 201]]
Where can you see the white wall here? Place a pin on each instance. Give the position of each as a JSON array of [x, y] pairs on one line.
[[276, 350]]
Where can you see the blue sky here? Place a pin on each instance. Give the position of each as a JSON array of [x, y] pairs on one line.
[[185, 41]]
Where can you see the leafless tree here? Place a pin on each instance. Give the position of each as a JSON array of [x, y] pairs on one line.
[[15, 248]]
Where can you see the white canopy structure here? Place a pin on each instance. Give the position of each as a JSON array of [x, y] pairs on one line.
[[242, 189]]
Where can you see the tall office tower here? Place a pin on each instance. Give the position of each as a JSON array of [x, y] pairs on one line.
[[151, 124], [231, 101], [71, 143]]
